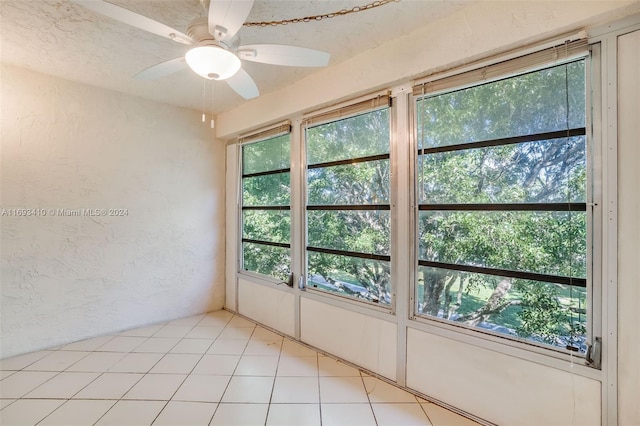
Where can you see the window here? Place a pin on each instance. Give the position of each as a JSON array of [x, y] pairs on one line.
[[266, 207], [502, 221], [348, 207]]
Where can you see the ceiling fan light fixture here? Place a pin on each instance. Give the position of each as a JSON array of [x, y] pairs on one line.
[[212, 62]]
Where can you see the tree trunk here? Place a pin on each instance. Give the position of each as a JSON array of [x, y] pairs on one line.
[[448, 297], [433, 287], [493, 306]]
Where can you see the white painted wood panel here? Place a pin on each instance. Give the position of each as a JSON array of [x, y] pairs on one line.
[[361, 339], [628, 229], [499, 388], [267, 305]]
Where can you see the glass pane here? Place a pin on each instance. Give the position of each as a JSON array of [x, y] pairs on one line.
[[542, 312], [267, 190], [267, 225], [359, 183], [270, 154], [551, 243], [531, 103], [267, 260], [362, 231], [550, 171], [350, 276], [354, 137]]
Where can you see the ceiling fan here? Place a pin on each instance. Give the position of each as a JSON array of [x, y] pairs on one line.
[[216, 51]]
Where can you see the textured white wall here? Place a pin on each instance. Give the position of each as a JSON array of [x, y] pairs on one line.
[[65, 145]]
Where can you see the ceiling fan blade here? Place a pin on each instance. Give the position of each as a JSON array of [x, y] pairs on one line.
[[134, 19], [281, 54], [243, 85], [163, 68], [227, 16]]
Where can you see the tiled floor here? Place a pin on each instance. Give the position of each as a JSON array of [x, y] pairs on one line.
[[214, 369]]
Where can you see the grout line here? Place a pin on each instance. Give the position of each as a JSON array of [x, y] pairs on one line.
[[368, 398], [235, 368], [275, 375], [188, 374]]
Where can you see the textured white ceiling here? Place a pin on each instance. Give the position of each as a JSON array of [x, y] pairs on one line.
[[66, 40]]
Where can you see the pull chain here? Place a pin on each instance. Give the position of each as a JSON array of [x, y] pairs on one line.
[[204, 92], [212, 92]]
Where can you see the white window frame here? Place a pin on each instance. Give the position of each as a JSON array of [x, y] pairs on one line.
[[345, 110], [474, 76], [258, 136]]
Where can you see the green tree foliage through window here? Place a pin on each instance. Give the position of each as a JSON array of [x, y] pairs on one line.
[[266, 214], [502, 186], [348, 212]]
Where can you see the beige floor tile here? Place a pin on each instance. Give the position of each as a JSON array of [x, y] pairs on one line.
[[400, 414], [6, 373], [202, 388], [28, 411], [18, 384], [347, 414], [122, 344], [295, 390], [440, 416], [192, 346], [176, 363], [380, 391], [294, 415], [257, 365], [178, 331], [97, 362], [156, 387], [263, 347], [21, 361], [240, 415], [260, 333], [136, 363], [187, 321], [57, 361], [132, 413], [146, 331], [5, 402], [160, 345], [217, 364], [77, 413], [342, 389], [64, 385], [291, 348], [249, 390], [330, 367], [88, 344], [186, 413], [227, 347], [109, 386], [306, 366], [236, 333], [214, 321], [200, 332], [238, 321]]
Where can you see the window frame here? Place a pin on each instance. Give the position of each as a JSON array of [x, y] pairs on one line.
[[259, 136], [349, 109], [471, 78]]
